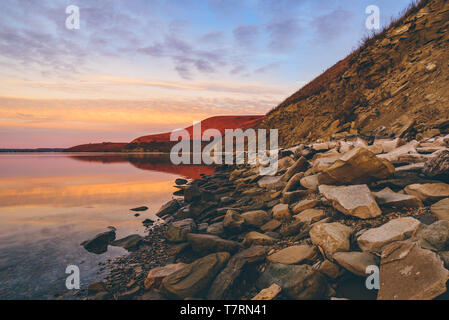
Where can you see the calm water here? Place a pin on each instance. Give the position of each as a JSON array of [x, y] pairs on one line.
[[50, 203]]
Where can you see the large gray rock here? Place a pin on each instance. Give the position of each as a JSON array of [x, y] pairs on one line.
[[434, 237], [99, 244], [294, 255], [229, 281], [177, 231], [441, 209], [428, 191], [256, 218], [356, 166], [130, 243], [356, 262], [297, 282], [375, 239], [408, 272], [388, 197], [194, 278], [356, 201], [332, 237], [206, 243], [169, 208]]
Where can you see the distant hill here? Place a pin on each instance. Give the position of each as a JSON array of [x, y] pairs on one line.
[[395, 84], [161, 142]]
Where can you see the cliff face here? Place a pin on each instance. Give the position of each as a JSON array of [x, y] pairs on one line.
[[395, 84]]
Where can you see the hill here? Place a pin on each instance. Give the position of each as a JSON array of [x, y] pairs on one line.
[[395, 84]]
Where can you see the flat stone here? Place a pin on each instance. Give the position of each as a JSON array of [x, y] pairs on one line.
[[408, 272], [441, 209], [438, 166], [375, 239], [140, 209], [356, 262], [99, 243], [271, 225], [293, 196], [294, 255], [216, 229], [269, 293], [281, 212], [156, 275], [294, 182], [256, 218], [194, 277], [299, 166], [332, 237], [356, 166], [428, 191], [177, 231], [169, 208], [129, 295], [304, 205], [130, 243], [388, 197], [404, 150], [256, 238], [311, 215], [271, 182], [356, 201], [206, 243]]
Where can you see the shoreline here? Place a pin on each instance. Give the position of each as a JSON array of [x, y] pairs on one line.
[[290, 221]]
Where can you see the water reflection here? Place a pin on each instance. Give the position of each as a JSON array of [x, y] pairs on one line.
[[50, 203]]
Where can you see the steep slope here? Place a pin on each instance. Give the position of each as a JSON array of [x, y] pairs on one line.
[[395, 84]]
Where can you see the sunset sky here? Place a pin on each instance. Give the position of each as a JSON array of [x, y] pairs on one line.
[[137, 67]]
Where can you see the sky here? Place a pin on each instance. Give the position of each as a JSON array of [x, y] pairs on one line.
[[137, 67]]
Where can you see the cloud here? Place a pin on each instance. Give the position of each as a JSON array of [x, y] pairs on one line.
[[332, 25], [246, 36], [284, 35]]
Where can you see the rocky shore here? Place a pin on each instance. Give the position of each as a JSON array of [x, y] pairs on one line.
[[333, 211]]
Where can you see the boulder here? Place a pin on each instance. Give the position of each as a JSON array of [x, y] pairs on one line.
[[294, 255], [311, 215], [356, 262], [404, 150], [435, 236], [330, 269], [298, 282], [281, 212], [169, 208], [299, 166], [139, 209], [441, 209], [130, 243], [408, 272], [269, 293], [310, 182], [356, 201], [233, 221], [194, 278], [177, 231], [156, 275], [256, 218], [388, 197], [99, 244], [216, 229], [356, 166], [271, 225], [256, 238], [231, 278], [332, 237], [294, 182], [429, 191], [304, 205], [438, 167], [375, 239], [206, 243]]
